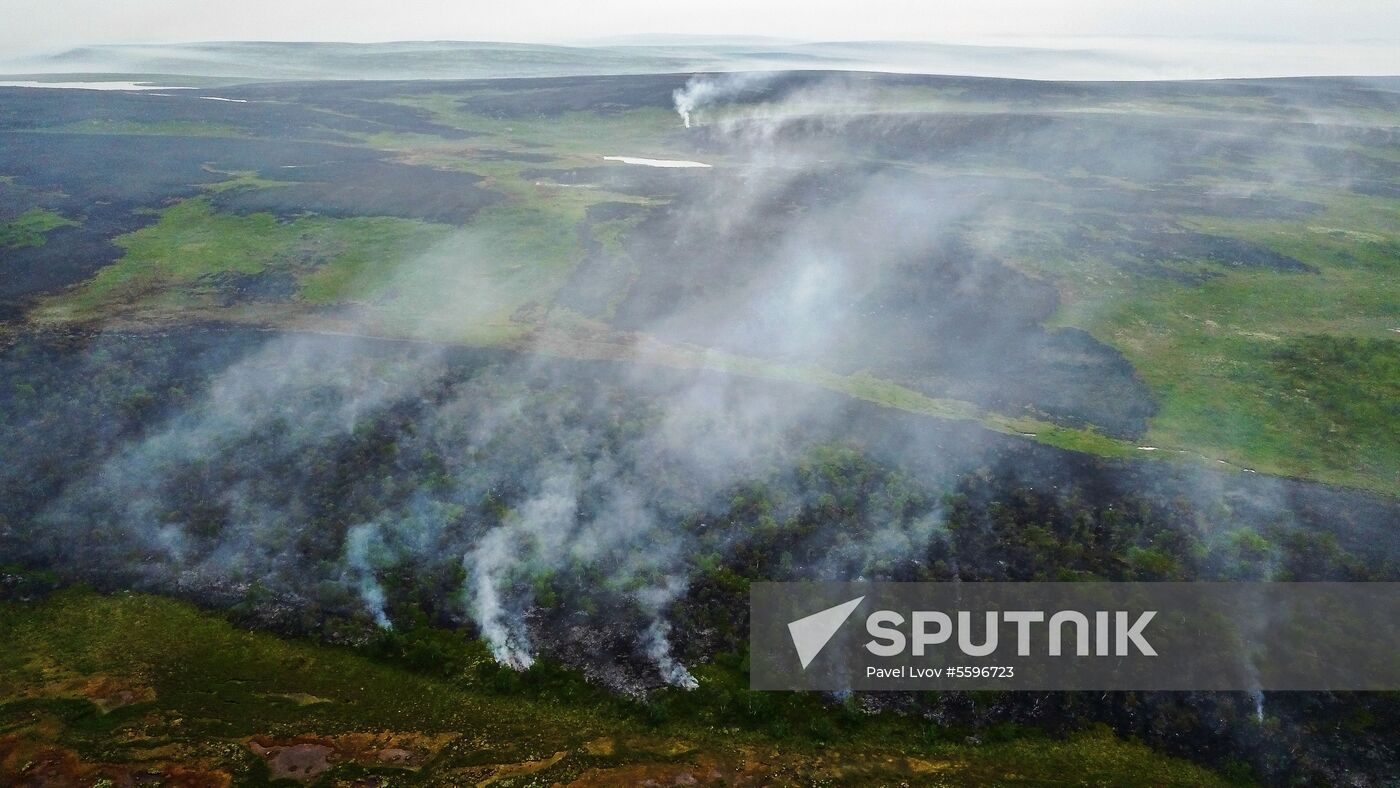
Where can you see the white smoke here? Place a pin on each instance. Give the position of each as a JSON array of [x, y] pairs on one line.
[[657, 638], [360, 542], [503, 630], [658, 645], [706, 90], [537, 533]]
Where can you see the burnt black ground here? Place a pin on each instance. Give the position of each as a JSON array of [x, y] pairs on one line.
[[86, 394]]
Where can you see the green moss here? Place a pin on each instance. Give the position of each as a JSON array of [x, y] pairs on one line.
[[31, 228]]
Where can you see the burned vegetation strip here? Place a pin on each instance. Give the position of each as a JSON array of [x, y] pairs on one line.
[[257, 473]]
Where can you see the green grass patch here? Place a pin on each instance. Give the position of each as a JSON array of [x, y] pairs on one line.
[[577, 138], [31, 228], [1347, 390], [1238, 361], [166, 266]]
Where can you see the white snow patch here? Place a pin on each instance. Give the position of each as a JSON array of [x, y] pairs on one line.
[[221, 98], [656, 162], [1148, 448]]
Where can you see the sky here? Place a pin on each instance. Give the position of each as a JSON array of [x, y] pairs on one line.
[[39, 26]]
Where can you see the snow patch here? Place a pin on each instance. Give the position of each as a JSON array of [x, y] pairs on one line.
[[656, 162]]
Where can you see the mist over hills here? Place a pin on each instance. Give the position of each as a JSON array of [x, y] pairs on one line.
[[1054, 59]]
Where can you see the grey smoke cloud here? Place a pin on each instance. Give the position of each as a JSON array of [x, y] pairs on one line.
[[584, 504]]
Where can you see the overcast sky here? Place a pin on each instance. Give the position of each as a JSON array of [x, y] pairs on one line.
[[33, 26]]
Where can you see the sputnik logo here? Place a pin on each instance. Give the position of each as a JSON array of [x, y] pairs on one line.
[[811, 633]]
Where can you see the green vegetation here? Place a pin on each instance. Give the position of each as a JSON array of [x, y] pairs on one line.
[[97, 687], [167, 266], [1346, 390], [578, 138], [30, 228], [494, 280], [1236, 359]]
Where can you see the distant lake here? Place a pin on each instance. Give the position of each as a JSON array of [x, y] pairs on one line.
[[89, 85]]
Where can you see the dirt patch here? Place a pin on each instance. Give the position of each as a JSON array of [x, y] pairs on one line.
[[299, 698], [603, 746], [766, 767], [704, 771], [511, 770], [304, 762], [105, 691], [25, 763], [308, 756], [109, 693]]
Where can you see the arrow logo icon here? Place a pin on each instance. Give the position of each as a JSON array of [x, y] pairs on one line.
[[811, 633]]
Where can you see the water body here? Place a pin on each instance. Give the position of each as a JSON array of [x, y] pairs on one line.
[[90, 85]]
